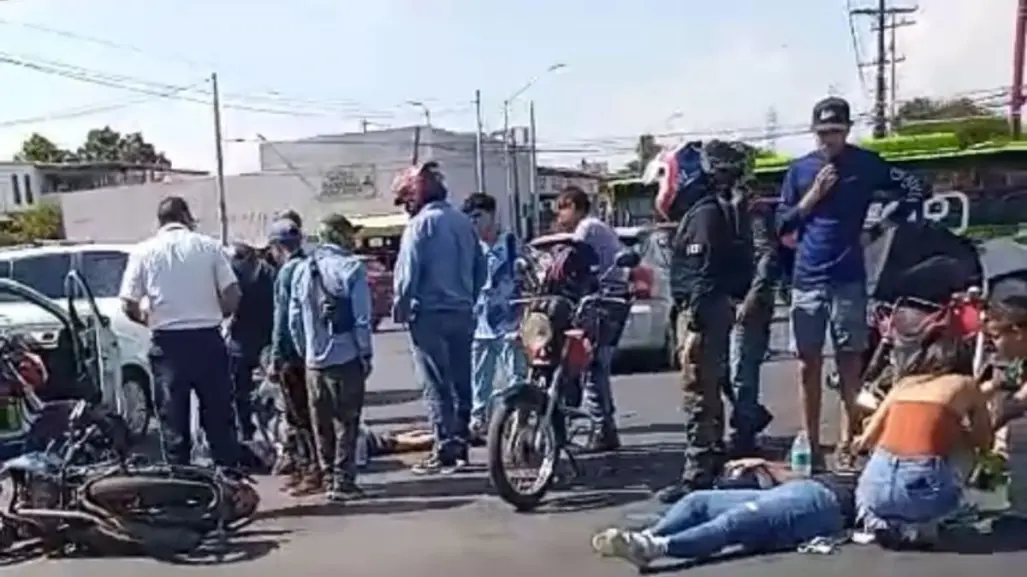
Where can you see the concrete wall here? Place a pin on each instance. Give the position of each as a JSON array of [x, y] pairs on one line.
[[27, 177]]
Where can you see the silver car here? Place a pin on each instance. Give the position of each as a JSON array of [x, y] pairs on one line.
[[650, 327]]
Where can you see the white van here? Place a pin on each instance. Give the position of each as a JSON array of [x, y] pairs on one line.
[[45, 268]]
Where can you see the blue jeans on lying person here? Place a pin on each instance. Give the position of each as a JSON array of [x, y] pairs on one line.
[[897, 493], [703, 523]]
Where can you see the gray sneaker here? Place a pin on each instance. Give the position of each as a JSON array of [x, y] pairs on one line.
[[636, 548]]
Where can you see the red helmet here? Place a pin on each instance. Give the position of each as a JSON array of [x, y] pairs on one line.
[[418, 185]]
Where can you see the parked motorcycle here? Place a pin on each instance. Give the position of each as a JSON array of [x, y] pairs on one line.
[[533, 420], [85, 493]]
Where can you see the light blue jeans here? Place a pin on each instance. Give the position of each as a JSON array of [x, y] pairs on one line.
[[703, 523], [490, 356], [748, 347], [898, 492], [598, 392]]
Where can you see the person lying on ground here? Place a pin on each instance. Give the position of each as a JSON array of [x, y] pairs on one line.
[[911, 483], [787, 512]]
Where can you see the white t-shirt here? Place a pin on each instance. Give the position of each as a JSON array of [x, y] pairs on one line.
[[181, 273]]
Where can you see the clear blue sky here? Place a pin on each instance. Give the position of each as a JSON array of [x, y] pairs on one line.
[[632, 66]]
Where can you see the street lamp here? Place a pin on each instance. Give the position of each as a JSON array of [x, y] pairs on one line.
[[424, 109], [511, 176]]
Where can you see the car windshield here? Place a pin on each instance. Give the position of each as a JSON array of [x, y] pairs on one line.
[[45, 273]]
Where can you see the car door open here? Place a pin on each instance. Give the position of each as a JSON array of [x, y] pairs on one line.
[[103, 354]]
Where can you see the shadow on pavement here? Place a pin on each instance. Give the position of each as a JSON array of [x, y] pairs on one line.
[[391, 397], [401, 421], [617, 478], [1008, 535], [370, 506], [240, 548]]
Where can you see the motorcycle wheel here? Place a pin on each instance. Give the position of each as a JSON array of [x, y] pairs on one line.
[[509, 415]]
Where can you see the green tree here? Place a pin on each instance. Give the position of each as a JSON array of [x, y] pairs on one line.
[[108, 145], [38, 148], [645, 151], [971, 122], [100, 145], [42, 221]]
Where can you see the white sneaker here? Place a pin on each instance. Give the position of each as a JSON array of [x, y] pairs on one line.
[[636, 548]]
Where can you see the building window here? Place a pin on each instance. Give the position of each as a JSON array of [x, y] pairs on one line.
[[28, 190], [15, 190]]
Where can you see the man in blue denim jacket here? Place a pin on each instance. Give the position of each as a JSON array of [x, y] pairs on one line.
[[330, 322], [496, 315], [285, 241], [439, 274]]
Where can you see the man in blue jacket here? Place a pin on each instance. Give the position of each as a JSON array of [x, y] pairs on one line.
[[330, 322], [439, 274], [495, 316], [285, 241], [824, 201]]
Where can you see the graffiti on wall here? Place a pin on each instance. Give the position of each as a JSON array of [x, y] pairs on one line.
[[350, 181]]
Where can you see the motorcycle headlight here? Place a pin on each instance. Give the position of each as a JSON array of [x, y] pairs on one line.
[[536, 331]]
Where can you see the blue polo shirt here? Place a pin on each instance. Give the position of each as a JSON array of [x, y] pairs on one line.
[[828, 250]]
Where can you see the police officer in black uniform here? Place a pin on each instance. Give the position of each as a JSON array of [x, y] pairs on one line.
[[707, 278]]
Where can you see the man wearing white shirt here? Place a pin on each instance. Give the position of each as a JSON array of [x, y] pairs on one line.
[[190, 287]]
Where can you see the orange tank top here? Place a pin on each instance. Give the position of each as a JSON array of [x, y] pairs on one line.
[[920, 429]]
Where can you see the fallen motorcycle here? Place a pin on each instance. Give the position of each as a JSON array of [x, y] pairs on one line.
[[84, 493]]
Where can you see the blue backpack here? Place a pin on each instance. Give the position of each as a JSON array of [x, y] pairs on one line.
[[336, 308]]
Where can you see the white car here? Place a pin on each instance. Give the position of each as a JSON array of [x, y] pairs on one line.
[[650, 328], [45, 268]]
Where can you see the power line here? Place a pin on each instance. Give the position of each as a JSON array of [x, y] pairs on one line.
[[80, 112], [161, 92]]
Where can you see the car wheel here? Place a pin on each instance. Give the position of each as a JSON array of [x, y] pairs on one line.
[[136, 386]]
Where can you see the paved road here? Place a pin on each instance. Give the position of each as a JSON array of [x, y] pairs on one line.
[[454, 527]]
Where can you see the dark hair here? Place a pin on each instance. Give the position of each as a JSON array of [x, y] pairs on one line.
[[1010, 310], [480, 201], [291, 215], [575, 197], [173, 210]]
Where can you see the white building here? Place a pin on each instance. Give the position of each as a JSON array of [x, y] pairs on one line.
[[347, 173], [23, 184]]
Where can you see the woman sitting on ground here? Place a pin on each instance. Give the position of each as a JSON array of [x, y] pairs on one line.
[[911, 483], [785, 513]]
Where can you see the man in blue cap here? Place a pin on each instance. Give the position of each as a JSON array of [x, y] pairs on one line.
[[285, 241]]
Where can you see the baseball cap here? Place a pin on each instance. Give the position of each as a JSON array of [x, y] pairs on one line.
[[831, 113], [284, 231], [339, 224]]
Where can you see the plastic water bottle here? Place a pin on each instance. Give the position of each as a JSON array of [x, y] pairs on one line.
[[801, 455], [360, 458]]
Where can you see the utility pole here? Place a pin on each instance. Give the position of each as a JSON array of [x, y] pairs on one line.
[[1017, 97], [772, 128], [881, 15], [219, 157], [479, 153], [508, 163], [364, 123], [532, 229], [894, 59]]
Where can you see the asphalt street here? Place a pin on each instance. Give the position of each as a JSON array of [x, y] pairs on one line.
[[454, 526]]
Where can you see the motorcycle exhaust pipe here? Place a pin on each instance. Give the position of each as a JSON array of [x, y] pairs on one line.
[[62, 515]]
